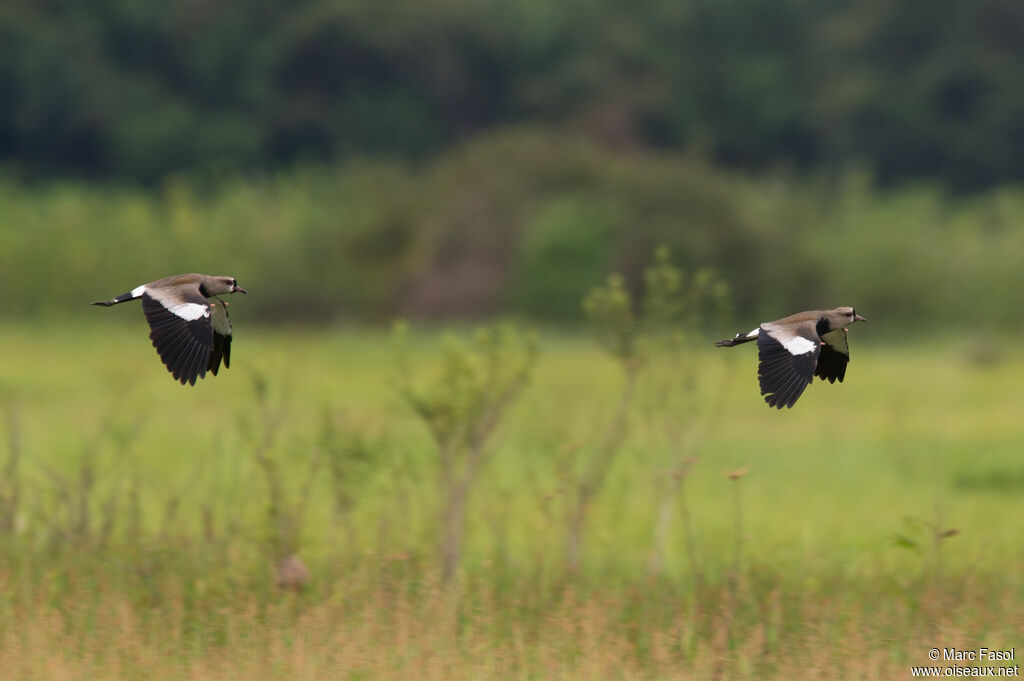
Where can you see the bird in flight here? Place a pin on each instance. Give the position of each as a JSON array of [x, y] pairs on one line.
[[793, 350], [188, 323]]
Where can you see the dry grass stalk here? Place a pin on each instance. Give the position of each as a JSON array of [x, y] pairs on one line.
[[103, 634]]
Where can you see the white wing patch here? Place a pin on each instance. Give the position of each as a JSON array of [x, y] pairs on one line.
[[798, 345], [189, 311]]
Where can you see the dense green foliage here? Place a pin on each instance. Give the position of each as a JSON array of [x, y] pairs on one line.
[[138, 90], [520, 223]]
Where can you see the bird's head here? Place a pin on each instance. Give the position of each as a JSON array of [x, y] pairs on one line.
[[227, 285], [841, 317]]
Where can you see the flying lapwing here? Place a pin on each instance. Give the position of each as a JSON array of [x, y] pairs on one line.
[[795, 349], [188, 323]]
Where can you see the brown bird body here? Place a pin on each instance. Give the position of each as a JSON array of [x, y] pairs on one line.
[[795, 349], [189, 324]]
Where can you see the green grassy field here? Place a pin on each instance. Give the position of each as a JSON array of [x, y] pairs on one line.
[[143, 529]]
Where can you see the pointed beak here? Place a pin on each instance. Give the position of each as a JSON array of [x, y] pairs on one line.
[[858, 318], [239, 289]]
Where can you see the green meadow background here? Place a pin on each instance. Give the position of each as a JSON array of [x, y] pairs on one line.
[[874, 521], [475, 426]]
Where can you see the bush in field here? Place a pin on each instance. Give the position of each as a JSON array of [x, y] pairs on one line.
[[352, 450], [672, 401], [648, 338], [285, 510], [462, 408]]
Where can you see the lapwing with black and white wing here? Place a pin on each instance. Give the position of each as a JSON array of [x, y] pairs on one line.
[[188, 323], [795, 349]]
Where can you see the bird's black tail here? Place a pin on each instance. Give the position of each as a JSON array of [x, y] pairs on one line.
[[123, 298], [738, 340]]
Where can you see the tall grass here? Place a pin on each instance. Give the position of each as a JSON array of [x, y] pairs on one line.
[[767, 633], [143, 541]]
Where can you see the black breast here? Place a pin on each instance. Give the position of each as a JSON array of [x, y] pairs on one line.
[[822, 327]]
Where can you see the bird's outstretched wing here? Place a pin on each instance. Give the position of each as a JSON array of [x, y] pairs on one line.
[[835, 355], [786, 365], [181, 330], [221, 335]]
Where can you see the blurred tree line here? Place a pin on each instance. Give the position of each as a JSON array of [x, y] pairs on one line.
[[140, 89], [522, 222]]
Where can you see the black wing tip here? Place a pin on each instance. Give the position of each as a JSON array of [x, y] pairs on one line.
[[187, 377], [831, 364], [214, 365], [780, 400], [221, 352], [185, 380], [186, 362], [783, 391], [188, 368]]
